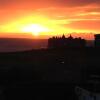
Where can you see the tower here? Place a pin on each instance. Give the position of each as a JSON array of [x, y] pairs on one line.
[[97, 40]]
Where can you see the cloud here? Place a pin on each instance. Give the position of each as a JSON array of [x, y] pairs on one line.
[[77, 2], [51, 2], [91, 25]]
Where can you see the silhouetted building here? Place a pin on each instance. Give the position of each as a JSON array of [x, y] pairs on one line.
[[97, 40], [60, 42]]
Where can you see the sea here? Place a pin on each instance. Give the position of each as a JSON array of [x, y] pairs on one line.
[[21, 44], [24, 44]]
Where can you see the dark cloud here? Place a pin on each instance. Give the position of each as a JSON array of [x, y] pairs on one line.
[[77, 2], [51, 2]]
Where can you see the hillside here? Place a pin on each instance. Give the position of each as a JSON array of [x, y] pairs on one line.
[[46, 69]]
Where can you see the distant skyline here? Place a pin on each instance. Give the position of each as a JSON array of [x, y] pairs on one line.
[[44, 18]]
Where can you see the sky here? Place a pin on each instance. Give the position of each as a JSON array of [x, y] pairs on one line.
[[44, 18]]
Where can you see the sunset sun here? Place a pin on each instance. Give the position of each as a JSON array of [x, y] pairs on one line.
[[35, 29]]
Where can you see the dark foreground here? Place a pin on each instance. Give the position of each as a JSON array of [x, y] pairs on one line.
[[46, 74]]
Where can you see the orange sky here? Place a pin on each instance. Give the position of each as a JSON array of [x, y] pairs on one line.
[[54, 17]]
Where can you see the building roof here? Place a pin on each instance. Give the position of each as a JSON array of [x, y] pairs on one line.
[[97, 35]]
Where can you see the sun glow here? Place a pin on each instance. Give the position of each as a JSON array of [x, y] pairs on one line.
[[35, 29]]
